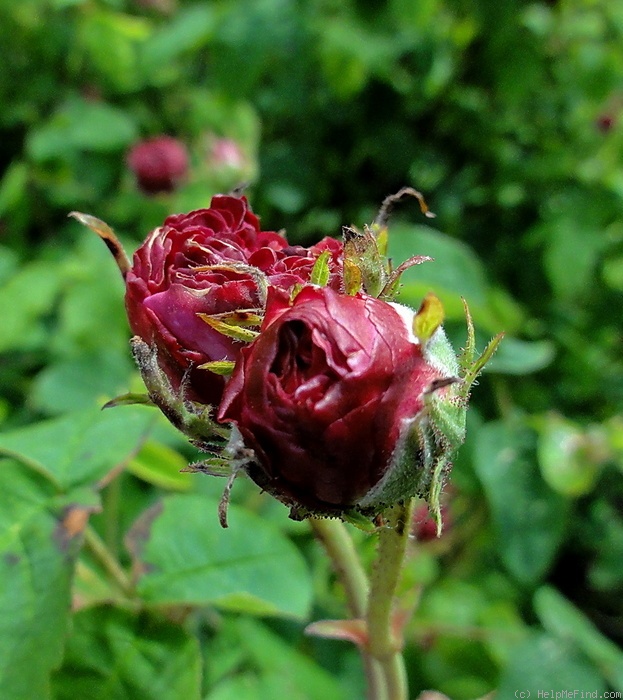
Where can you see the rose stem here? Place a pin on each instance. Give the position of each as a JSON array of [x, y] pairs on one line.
[[338, 544], [382, 642], [107, 559]]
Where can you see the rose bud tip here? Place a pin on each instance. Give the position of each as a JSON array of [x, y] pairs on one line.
[[104, 231]]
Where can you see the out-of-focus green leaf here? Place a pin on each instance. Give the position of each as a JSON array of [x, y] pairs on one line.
[[82, 125], [612, 273], [606, 572], [160, 465], [515, 356], [115, 654], [112, 40], [13, 187], [191, 27], [562, 619], [245, 686], [569, 462], [91, 307], [282, 671], [203, 564], [24, 299], [80, 382], [35, 580], [455, 272], [79, 448], [529, 518], [8, 263], [546, 663]]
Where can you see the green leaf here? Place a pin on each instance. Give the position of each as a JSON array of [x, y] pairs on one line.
[[112, 41], [562, 619], [82, 125], [13, 187], [36, 562], [113, 654], [565, 457], [250, 567], [518, 357], [187, 30], [529, 518], [160, 465], [81, 381], [80, 448], [455, 273], [545, 663], [282, 670], [573, 244], [24, 299], [8, 263]]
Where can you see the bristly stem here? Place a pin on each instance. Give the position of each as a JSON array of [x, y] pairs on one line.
[[383, 642], [338, 544]]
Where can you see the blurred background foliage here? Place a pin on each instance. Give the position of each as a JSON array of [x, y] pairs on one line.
[[507, 115]]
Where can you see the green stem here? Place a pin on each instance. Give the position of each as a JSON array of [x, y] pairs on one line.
[[341, 551], [112, 501], [107, 560], [382, 642], [343, 555]]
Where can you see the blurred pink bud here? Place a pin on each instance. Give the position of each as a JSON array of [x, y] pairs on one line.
[[226, 153]]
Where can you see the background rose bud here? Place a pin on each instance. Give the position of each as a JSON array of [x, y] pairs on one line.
[[226, 153], [158, 164], [210, 261], [327, 396]]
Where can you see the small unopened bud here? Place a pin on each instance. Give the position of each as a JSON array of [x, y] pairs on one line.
[[158, 164]]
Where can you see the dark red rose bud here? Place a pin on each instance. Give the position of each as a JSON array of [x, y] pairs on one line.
[[329, 397], [158, 164], [205, 263]]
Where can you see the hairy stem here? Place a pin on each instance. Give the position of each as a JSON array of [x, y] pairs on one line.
[[338, 544], [383, 644]]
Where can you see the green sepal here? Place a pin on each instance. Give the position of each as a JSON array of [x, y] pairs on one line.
[[241, 318], [224, 368], [129, 399], [361, 250], [390, 289], [470, 367], [295, 292], [236, 332], [103, 230], [388, 204], [352, 277], [428, 318], [428, 442], [320, 272], [192, 419], [360, 521], [213, 466]]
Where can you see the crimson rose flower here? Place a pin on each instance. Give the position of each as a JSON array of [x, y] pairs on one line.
[[327, 396], [210, 261]]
